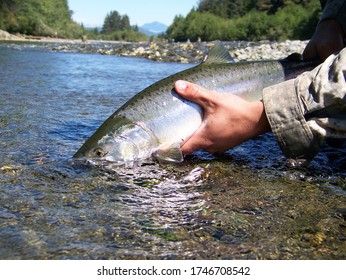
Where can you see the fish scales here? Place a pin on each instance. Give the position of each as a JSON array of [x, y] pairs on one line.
[[228, 78]]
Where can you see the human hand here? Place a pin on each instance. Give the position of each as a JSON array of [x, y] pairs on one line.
[[228, 119], [327, 39]]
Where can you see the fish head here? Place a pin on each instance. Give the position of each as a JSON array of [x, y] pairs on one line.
[[115, 149], [118, 140]]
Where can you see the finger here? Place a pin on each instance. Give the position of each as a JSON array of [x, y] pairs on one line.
[[191, 145], [194, 93], [196, 142]]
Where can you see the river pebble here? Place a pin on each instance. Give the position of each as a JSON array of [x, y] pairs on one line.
[[185, 52], [195, 52]]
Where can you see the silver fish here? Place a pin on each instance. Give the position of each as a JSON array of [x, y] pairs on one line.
[[156, 121]]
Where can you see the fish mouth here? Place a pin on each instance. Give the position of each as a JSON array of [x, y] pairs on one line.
[[110, 149]]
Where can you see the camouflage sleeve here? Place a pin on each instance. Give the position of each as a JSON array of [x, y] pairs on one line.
[[302, 112], [335, 9]]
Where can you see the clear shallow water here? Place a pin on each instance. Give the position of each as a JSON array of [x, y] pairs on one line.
[[245, 204]]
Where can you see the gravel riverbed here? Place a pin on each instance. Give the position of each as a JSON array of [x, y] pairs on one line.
[[186, 52]]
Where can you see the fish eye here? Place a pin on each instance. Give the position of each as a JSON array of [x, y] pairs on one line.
[[100, 152]]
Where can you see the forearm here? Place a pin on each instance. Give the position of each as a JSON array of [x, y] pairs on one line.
[[329, 36]]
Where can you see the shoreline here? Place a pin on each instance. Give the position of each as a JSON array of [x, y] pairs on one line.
[[181, 52]]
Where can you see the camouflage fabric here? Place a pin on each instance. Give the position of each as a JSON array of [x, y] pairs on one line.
[[304, 111]]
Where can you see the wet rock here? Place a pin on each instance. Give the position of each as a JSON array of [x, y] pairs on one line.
[[182, 52], [314, 239], [268, 50], [341, 212]]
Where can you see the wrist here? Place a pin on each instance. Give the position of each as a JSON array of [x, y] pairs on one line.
[[260, 120]]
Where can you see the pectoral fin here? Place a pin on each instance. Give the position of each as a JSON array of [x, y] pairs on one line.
[[170, 154]]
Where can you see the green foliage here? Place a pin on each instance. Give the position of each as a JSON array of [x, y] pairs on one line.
[[204, 26], [115, 22], [38, 17], [177, 29], [212, 20], [53, 18], [117, 27], [226, 8], [248, 20], [125, 35]]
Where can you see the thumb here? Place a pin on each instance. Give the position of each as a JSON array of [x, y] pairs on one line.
[[194, 93]]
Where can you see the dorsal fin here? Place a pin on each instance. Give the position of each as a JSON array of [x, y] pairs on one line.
[[218, 54]]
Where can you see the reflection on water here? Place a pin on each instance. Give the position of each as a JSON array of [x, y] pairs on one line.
[[247, 203]]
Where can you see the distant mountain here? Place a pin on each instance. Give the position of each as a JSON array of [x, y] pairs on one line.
[[153, 28]]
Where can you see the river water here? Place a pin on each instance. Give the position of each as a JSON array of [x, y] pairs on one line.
[[246, 204]]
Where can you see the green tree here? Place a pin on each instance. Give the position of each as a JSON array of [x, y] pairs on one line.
[[117, 27], [247, 20], [176, 30], [205, 26], [216, 7], [38, 17], [125, 23], [115, 22]]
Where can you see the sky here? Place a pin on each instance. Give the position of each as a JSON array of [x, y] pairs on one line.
[[93, 12]]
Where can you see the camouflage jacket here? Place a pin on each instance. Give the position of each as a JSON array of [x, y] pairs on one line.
[[311, 108]]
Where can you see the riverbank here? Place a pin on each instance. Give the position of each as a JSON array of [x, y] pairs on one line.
[[187, 52]]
